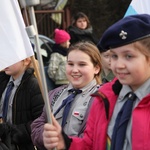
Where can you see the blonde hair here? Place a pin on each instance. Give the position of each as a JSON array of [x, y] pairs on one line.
[[143, 43]]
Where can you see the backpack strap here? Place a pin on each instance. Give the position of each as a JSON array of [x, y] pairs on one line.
[[83, 126]]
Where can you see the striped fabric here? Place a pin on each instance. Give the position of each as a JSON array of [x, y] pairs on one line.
[[138, 7], [108, 145]]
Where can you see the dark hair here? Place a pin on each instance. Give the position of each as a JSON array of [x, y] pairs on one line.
[[92, 51], [81, 15]]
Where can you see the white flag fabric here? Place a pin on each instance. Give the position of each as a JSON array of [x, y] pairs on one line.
[[14, 41], [138, 7]]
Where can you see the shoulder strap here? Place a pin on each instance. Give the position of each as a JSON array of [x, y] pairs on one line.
[[82, 128], [106, 104]]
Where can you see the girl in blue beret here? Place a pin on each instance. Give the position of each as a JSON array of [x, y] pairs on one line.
[[120, 115]]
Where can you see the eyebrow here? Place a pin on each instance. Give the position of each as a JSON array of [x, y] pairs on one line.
[[77, 61]]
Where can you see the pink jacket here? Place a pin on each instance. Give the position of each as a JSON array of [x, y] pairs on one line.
[[95, 134]]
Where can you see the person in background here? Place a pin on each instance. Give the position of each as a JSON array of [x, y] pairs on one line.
[[123, 124], [56, 68], [25, 104], [106, 74], [83, 71], [81, 29]]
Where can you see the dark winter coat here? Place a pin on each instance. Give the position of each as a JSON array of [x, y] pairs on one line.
[[59, 49], [78, 35], [27, 106]]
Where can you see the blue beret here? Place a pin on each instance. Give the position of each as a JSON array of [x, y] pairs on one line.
[[125, 31]]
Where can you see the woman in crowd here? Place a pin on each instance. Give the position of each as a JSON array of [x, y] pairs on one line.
[[81, 29]]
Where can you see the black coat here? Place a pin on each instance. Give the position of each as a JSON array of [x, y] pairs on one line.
[[27, 106], [78, 35]]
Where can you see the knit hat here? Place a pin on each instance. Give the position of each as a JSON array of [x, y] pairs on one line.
[[61, 36], [127, 30]]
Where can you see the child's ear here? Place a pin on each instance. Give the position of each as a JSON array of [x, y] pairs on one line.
[[27, 61], [97, 69], [148, 60]]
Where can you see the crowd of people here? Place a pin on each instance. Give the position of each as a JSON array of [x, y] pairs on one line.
[[119, 115], [101, 96]]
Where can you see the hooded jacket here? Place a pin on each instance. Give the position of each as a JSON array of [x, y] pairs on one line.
[[57, 65]]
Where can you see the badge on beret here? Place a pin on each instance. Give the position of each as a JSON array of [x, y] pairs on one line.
[[123, 35], [125, 31]]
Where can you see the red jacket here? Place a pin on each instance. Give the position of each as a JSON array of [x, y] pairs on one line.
[[96, 131]]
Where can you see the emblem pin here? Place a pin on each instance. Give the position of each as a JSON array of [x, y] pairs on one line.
[[123, 35]]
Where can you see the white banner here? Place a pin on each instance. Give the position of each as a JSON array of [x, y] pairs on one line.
[[138, 7], [14, 42]]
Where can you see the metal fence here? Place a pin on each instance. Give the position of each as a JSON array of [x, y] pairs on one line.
[[46, 24]]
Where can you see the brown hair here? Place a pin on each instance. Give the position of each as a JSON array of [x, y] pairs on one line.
[[81, 15], [91, 50]]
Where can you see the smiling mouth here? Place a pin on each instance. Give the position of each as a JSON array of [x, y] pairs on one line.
[[122, 74], [76, 76]]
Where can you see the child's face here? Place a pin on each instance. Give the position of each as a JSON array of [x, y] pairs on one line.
[[17, 69], [106, 57], [79, 69], [130, 66], [65, 44], [81, 23]]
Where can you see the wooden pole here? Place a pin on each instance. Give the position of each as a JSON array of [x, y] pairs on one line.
[[37, 72]]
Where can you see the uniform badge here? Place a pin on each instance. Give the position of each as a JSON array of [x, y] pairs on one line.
[[76, 113], [123, 35]]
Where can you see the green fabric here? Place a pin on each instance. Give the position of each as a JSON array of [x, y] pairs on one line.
[[109, 77]]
